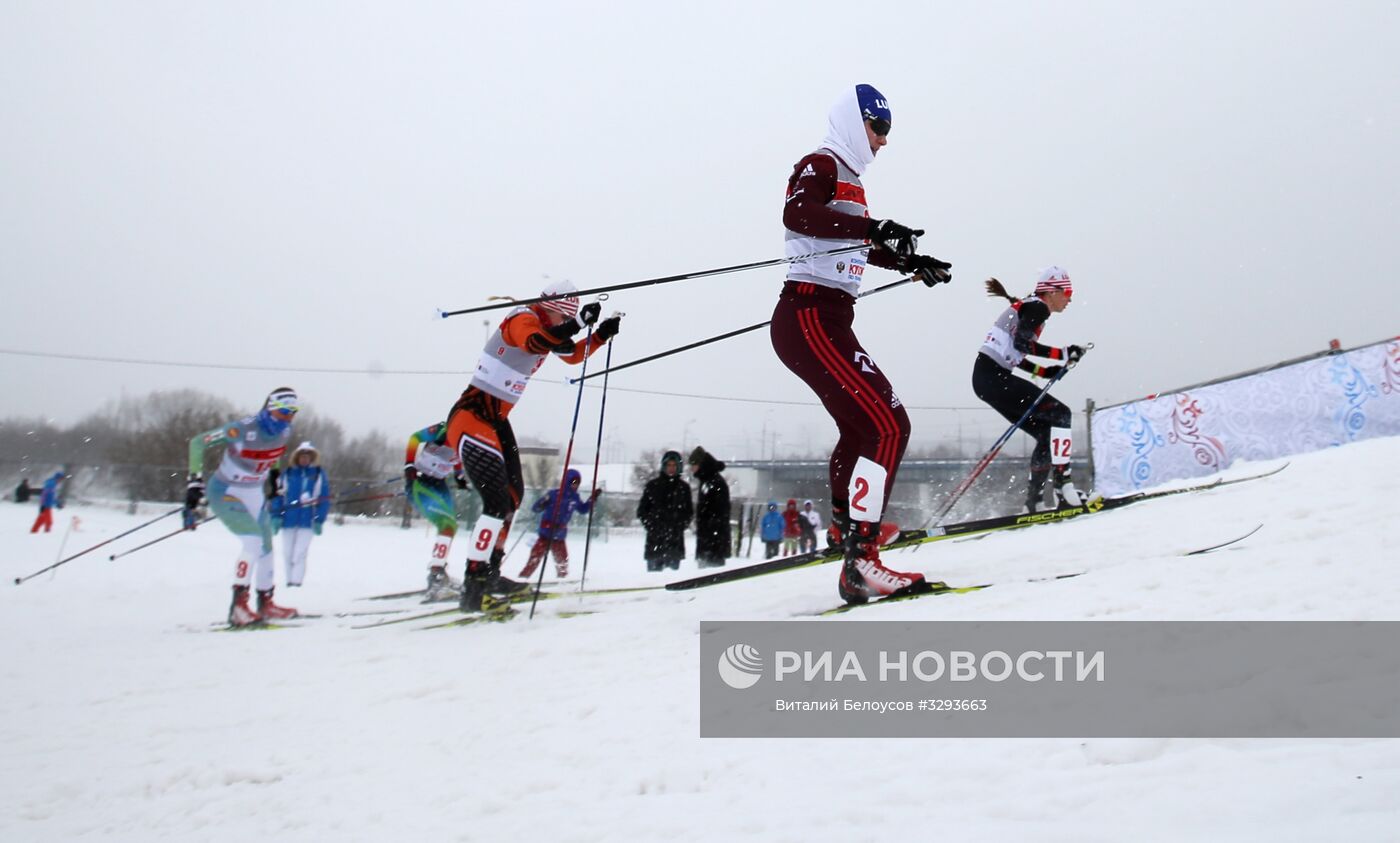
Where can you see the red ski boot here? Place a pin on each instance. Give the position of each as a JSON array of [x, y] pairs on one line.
[[239, 612], [271, 611], [863, 576]]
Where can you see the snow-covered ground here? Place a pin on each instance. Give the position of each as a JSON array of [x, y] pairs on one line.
[[122, 716]]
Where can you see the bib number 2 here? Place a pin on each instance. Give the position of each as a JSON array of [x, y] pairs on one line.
[[867, 490]]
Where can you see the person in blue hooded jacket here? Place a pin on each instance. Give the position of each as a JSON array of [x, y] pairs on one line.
[[554, 523], [48, 499], [300, 508], [771, 530]]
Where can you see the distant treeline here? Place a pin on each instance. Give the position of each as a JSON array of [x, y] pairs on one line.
[[139, 447]]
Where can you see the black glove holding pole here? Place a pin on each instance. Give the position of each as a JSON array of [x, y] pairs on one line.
[[194, 498], [929, 270]]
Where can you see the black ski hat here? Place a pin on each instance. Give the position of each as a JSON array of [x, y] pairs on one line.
[[708, 465], [671, 456]]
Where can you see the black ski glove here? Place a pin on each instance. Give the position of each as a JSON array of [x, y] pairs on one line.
[[410, 474], [889, 231], [194, 492], [1073, 353], [929, 270], [590, 312], [565, 330], [461, 480], [608, 328], [194, 497], [1051, 371]]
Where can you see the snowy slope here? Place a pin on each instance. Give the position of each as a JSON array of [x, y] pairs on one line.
[[122, 717]]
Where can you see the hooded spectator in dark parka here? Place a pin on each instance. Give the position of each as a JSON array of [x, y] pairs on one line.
[[711, 510], [665, 510]]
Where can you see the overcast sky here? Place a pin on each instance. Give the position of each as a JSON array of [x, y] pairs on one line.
[[302, 184]]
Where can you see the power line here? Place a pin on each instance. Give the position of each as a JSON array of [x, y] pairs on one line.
[[184, 364]]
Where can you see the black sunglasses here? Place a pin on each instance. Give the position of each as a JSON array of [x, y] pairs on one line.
[[878, 126]]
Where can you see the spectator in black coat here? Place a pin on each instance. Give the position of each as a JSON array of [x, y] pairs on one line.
[[22, 491], [665, 511], [711, 510]]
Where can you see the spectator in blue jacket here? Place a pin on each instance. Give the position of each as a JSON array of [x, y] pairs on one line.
[[554, 528], [771, 530], [299, 510], [48, 499]]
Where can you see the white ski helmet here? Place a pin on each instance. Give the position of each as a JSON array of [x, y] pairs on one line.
[[566, 307], [1054, 279]]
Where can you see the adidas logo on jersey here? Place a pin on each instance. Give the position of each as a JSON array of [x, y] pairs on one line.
[[807, 171]]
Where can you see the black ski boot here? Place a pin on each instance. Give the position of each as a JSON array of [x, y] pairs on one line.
[[474, 586], [838, 528], [1035, 489], [497, 584]]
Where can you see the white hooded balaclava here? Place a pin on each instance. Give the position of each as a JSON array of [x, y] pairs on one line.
[[845, 125]]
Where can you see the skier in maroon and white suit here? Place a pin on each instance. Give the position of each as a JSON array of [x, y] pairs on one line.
[[811, 330]]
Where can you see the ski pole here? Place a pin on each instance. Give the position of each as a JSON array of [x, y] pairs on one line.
[[209, 518], [725, 336], [997, 446], [514, 545], [597, 453], [563, 475], [337, 501], [372, 484], [68, 531], [205, 520], [19, 580], [72, 522], [665, 279]]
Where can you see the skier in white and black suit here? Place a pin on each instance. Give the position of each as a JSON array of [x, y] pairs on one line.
[[1013, 337]]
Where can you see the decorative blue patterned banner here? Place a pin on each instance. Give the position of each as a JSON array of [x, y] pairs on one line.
[[1320, 403]]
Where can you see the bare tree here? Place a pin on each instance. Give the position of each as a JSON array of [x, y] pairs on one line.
[[648, 465], [541, 472], [326, 434], [362, 463], [148, 439]]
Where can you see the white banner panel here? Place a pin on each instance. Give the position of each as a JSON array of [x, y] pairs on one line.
[[1332, 400]]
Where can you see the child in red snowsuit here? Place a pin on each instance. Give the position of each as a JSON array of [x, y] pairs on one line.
[[554, 524]]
